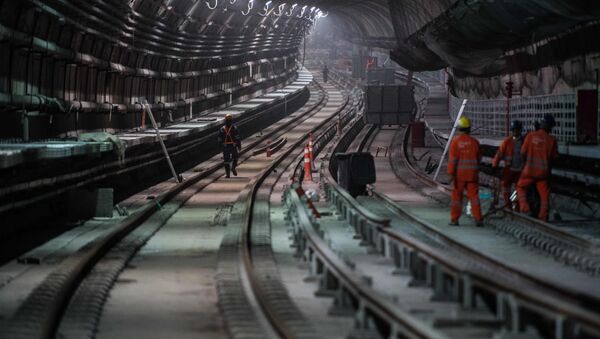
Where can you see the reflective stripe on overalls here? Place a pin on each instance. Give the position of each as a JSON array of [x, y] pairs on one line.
[[228, 140]]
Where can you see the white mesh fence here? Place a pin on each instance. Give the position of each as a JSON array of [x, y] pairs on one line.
[[488, 117]]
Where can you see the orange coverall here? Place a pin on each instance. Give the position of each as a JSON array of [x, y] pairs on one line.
[[539, 149], [509, 175], [463, 166]]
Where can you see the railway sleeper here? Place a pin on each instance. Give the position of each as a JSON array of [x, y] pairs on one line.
[[512, 316], [347, 300]]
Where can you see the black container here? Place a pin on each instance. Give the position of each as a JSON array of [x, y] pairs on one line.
[[355, 172]]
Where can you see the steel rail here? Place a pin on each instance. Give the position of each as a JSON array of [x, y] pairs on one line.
[[349, 284], [383, 237], [536, 292], [63, 283], [277, 320], [92, 175], [538, 224], [370, 301], [532, 291]]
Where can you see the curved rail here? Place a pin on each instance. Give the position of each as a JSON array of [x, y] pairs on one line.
[[476, 271], [350, 290], [563, 245], [471, 274], [42, 311], [254, 248], [495, 276]]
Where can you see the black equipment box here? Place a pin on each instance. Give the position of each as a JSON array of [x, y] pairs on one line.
[[355, 171], [389, 105]]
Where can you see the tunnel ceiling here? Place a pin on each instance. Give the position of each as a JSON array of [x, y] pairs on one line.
[[474, 37]]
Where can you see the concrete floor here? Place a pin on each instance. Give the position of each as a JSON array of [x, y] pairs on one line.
[[169, 287], [485, 240]]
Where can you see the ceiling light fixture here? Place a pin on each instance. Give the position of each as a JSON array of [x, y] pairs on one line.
[[303, 10], [250, 6], [281, 8], [213, 7], [266, 9], [291, 11]]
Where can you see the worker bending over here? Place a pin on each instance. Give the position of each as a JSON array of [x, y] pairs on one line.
[[538, 151], [463, 168], [230, 140], [510, 152]]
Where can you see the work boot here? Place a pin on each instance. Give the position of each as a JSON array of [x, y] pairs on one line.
[[453, 223], [479, 223], [234, 167], [227, 171]]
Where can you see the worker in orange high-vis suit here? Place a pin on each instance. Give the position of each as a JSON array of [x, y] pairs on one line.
[[538, 151], [463, 168], [510, 153], [230, 140]]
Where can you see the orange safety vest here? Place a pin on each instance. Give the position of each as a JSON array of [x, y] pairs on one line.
[[538, 149], [505, 152], [228, 139], [464, 158]]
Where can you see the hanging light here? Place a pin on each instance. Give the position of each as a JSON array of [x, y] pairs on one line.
[[302, 12], [250, 6], [281, 8], [266, 9], [291, 11], [213, 7]]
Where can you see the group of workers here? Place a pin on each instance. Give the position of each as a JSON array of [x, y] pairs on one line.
[[527, 161]]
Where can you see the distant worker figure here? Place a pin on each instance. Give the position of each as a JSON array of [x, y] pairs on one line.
[[325, 73], [463, 168], [510, 152], [538, 151], [230, 140]]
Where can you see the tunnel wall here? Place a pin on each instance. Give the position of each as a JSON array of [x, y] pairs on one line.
[[76, 68]]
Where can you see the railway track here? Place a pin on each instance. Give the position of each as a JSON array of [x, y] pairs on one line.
[[488, 297], [70, 300], [581, 253], [575, 248], [251, 288], [394, 272]]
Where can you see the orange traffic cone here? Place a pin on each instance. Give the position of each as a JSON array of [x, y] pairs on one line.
[[307, 167], [310, 150]]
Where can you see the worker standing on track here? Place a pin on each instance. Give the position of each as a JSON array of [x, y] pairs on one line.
[[510, 152], [463, 168], [230, 140], [325, 73], [538, 151]]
